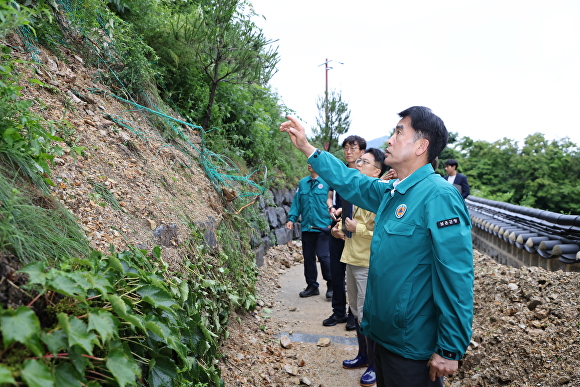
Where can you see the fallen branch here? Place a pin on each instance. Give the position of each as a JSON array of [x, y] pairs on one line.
[[19, 288], [247, 205]]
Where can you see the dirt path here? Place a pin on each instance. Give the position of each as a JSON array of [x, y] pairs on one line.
[[305, 315], [253, 352]]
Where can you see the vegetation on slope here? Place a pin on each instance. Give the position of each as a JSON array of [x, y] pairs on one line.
[[76, 316]]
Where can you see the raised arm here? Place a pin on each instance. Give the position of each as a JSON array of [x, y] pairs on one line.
[[359, 189]]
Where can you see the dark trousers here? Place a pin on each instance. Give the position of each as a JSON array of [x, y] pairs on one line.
[[316, 244], [337, 270], [396, 371]]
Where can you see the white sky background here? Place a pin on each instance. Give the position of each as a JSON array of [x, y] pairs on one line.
[[490, 69]]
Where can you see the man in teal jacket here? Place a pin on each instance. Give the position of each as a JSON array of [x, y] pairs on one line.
[[310, 203], [419, 299]]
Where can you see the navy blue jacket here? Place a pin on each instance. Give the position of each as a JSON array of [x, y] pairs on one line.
[[461, 180]]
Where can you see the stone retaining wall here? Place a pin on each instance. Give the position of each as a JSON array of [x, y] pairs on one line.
[[274, 206]]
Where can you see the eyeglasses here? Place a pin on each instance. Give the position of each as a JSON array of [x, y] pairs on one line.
[[361, 162], [351, 149]]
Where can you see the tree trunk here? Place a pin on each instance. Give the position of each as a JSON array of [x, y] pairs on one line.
[[214, 85], [330, 139]]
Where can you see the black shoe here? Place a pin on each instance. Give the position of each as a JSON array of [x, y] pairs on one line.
[[333, 320], [350, 325], [329, 294], [310, 290]]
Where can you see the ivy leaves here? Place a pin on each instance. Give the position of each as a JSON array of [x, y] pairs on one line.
[[77, 332], [157, 297], [21, 326], [104, 324], [123, 366], [36, 374], [6, 375], [142, 327]]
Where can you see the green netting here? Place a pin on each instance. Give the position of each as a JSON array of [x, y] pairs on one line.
[[28, 40], [222, 172]]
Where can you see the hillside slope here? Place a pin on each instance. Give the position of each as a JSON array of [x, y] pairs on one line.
[[129, 186], [157, 192]]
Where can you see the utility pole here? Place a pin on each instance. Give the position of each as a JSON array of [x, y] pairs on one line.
[[326, 68]]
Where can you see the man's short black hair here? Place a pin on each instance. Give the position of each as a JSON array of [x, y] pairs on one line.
[[452, 162], [352, 140], [379, 156], [429, 126]]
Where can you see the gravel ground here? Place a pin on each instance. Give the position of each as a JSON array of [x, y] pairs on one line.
[[526, 328], [525, 333]]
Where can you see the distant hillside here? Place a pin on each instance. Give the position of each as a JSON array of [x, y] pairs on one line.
[[377, 142]]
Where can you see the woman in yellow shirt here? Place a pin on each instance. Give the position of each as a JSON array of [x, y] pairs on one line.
[[356, 255]]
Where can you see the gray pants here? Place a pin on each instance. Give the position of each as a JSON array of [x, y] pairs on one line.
[[396, 371], [356, 286]]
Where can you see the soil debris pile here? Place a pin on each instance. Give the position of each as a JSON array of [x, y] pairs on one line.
[[526, 329]]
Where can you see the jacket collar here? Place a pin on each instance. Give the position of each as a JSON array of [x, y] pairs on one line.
[[415, 177]]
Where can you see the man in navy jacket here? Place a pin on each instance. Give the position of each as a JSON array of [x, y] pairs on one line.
[[456, 178]]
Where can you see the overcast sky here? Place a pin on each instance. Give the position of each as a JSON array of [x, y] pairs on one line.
[[490, 69]]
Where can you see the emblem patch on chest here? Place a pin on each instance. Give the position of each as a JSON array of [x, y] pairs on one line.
[[400, 211], [320, 186], [448, 222]]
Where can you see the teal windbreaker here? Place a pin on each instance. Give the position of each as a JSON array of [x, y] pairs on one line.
[[310, 203], [419, 297]]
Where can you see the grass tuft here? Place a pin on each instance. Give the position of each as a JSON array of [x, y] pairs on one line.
[[47, 233]]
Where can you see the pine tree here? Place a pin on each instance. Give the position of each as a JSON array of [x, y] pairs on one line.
[[333, 119]]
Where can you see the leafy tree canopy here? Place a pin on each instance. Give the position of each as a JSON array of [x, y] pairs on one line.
[[541, 173]]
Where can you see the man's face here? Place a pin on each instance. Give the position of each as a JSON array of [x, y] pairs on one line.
[[366, 164], [401, 146], [352, 152], [450, 169]]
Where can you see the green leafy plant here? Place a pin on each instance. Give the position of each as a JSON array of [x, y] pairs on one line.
[[244, 116], [242, 272], [12, 16], [117, 321], [114, 45]]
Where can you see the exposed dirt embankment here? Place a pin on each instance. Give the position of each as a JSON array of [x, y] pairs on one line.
[[125, 183]]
